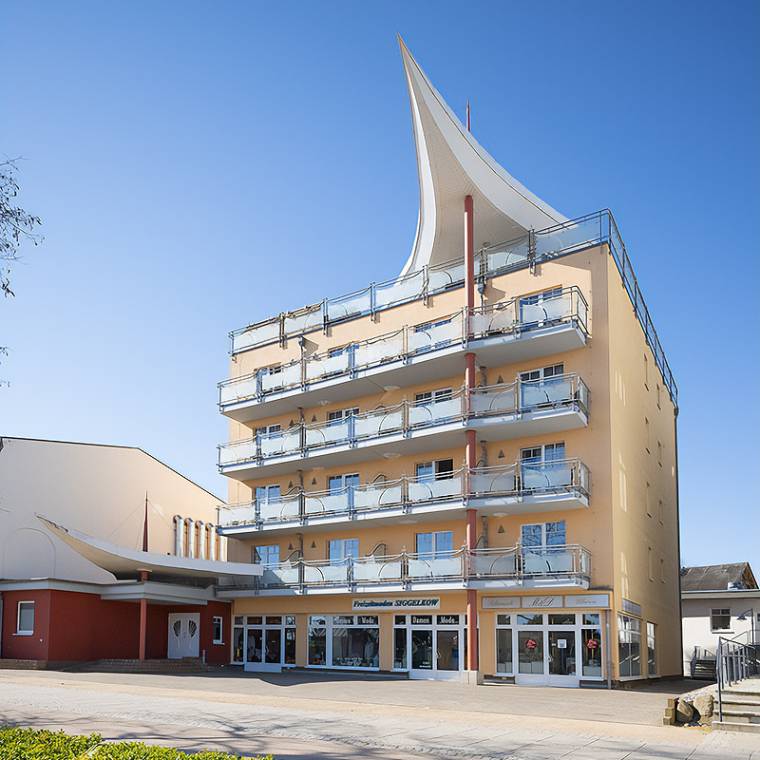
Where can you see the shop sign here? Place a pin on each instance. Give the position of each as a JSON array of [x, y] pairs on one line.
[[631, 607], [534, 602], [500, 602], [422, 603], [448, 620], [588, 600]]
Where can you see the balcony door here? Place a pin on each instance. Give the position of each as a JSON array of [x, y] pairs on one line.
[[544, 467], [341, 488], [430, 646]]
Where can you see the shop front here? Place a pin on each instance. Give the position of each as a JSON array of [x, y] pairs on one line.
[[547, 640]]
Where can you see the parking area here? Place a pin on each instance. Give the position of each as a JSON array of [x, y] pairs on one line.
[[336, 715]]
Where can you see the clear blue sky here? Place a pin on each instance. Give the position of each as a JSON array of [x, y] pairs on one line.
[[202, 165]]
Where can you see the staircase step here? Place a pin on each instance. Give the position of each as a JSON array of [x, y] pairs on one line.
[[727, 725]]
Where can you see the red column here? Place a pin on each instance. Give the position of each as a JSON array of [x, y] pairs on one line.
[[471, 447], [143, 619]]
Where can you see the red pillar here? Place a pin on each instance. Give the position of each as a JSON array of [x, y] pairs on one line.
[[143, 620], [471, 447]]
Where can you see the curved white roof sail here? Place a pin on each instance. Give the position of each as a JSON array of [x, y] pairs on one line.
[[451, 164], [127, 563]]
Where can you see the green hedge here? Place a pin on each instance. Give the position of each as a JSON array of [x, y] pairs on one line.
[[28, 744]]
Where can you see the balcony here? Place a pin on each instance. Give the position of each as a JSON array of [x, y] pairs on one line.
[[520, 488], [498, 412], [539, 567], [508, 332]]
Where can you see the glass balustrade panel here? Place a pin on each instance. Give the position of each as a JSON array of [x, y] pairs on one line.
[[378, 495], [379, 351], [545, 392], [429, 490], [326, 503], [277, 444], [242, 451], [403, 289], [347, 306], [484, 483], [327, 365], [499, 400], [237, 389], [378, 423]]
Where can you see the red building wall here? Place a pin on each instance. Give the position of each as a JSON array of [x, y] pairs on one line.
[[74, 626]]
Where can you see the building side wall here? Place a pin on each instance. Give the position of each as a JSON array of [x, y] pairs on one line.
[[644, 493], [99, 490], [34, 647]]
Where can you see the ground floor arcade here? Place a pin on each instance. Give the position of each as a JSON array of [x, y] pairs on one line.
[[562, 639]]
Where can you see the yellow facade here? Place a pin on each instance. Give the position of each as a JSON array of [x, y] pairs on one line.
[[627, 525]]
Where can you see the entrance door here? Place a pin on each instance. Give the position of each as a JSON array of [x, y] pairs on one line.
[[563, 663], [184, 635], [435, 644]]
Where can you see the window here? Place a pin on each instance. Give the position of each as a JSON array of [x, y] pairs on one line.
[[238, 638], [25, 619], [720, 620], [591, 635], [629, 646], [438, 470], [435, 545], [355, 641], [430, 329], [267, 494], [651, 651], [337, 483], [268, 555], [555, 370], [268, 429], [550, 452], [338, 416], [541, 535], [432, 396], [217, 626], [341, 550], [531, 311]]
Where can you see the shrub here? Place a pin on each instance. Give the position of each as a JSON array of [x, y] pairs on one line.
[[29, 744]]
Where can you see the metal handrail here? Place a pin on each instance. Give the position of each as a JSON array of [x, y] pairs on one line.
[[558, 240], [736, 660], [296, 374], [409, 567], [467, 486], [526, 396]]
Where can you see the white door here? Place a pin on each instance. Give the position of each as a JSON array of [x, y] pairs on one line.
[[184, 635]]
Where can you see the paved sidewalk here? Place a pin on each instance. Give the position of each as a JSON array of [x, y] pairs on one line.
[[248, 715]]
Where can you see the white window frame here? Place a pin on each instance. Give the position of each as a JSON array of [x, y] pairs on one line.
[[274, 488], [540, 457], [543, 544], [722, 612], [651, 646], [542, 373], [435, 466], [268, 547], [342, 543], [217, 620], [19, 631], [435, 552]]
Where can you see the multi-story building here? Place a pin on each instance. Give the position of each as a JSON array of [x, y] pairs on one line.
[[469, 470]]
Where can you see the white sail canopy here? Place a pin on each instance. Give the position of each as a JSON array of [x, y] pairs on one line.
[[451, 164]]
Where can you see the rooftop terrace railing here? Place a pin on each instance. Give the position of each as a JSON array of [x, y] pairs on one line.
[[533, 248], [519, 315], [518, 480], [512, 564], [521, 396]]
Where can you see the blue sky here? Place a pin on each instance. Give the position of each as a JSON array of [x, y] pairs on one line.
[[200, 166]]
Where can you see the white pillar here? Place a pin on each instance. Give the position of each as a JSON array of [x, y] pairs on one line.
[[179, 536], [211, 541], [201, 539], [190, 537]]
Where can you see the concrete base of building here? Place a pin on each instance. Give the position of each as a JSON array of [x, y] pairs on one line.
[[473, 677]]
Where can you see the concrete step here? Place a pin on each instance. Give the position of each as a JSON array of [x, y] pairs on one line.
[[741, 714], [727, 725]]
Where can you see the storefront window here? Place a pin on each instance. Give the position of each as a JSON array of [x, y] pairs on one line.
[[592, 651], [651, 653], [448, 650], [317, 640], [399, 649], [237, 639], [504, 650], [531, 651], [422, 649], [629, 646], [289, 650], [355, 641], [530, 619]]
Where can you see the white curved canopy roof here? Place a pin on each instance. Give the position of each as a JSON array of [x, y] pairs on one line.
[[452, 164], [127, 563]]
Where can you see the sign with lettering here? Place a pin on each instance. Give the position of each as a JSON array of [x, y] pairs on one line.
[[587, 600], [632, 607], [541, 602], [421, 603], [500, 602]]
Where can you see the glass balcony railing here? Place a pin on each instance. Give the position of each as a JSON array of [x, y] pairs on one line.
[[519, 480], [518, 316], [565, 564], [521, 397], [535, 247]]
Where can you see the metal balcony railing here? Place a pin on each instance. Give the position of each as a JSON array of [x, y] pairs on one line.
[[535, 247], [519, 397], [516, 316], [518, 480], [565, 564]]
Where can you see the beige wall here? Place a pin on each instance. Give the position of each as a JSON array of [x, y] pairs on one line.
[[99, 490], [645, 518]]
